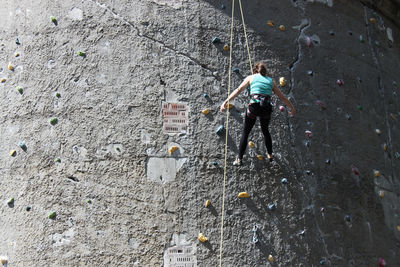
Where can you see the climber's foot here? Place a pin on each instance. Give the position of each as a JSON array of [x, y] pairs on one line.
[[270, 157], [237, 162]]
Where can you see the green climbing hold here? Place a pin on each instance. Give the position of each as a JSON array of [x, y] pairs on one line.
[[89, 201], [377, 43], [58, 160], [20, 90], [117, 149], [58, 95], [362, 39], [52, 215], [53, 19], [10, 201], [53, 121], [28, 208], [81, 54], [17, 41], [360, 108], [397, 155]]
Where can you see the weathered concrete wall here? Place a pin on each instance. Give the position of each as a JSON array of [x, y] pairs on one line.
[[112, 208]]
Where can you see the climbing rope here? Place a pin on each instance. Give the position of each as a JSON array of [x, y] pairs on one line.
[[227, 118]]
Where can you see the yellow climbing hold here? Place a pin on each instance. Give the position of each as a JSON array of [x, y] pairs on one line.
[[385, 147], [13, 153], [226, 47], [230, 106], [205, 111], [260, 157], [393, 116], [202, 238], [208, 203], [172, 149], [271, 23], [3, 260], [16, 54], [377, 173], [372, 20], [243, 195], [251, 144], [398, 227], [381, 194], [3, 80], [271, 258], [10, 66], [282, 28], [282, 81]]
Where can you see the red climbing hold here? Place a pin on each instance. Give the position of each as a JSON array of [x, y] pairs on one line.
[[355, 170], [321, 104], [339, 82], [309, 134], [282, 108], [382, 262]]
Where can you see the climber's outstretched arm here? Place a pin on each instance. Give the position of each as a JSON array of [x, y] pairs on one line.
[[284, 99], [235, 93]]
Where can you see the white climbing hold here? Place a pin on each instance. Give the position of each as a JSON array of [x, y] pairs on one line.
[[308, 133], [389, 34], [378, 131]]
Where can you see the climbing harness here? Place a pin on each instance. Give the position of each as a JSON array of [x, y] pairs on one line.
[[227, 117]]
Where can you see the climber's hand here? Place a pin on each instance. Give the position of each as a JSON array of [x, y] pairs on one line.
[[223, 106]]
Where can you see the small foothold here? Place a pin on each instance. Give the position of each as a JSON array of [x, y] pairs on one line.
[[271, 23], [10, 66], [82, 54], [236, 70], [53, 121], [331, 32], [3, 260], [350, 32], [398, 228], [220, 130], [360, 108], [52, 215], [22, 145], [282, 81], [3, 80], [205, 111], [13, 153], [322, 209], [260, 157], [348, 116], [385, 147], [309, 41], [394, 83], [322, 262], [214, 163], [118, 149], [377, 173], [284, 181], [382, 262], [17, 41], [328, 161], [308, 172], [308, 143], [251, 144], [202, 238], [58, 160], [397, 155], [378, 131], [222, 6], [362, 39], [208, 203], [216, 40], [10, 201], [20, 90], [226, 47], [172, 149], [321, 104], [309, 134], [272, 207], [339, 82], [381, 194], [16, 54], [282, 28], [88, 201], [28, 208], [393, 116], [53, 19], [302, 232], [347, 217], [271, 258], [354, 170], [372, 20], [58, 95], [377, 43], [205, 95], [282, 108], [243, 195], [310, 73]]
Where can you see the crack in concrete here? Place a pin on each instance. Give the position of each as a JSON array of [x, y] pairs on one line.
[[139, 34], [382, 94]]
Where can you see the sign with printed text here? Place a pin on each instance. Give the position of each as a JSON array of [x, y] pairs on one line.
[[175, 117]]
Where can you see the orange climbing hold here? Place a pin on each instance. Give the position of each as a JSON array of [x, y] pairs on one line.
[[260, 157], [385, 147], [172, 149], [377, 173], [208, 203], [243, 195], [251, 144], [230, 106], [226, 47], [381, 194], [372, 20], [205, 111], [282, 28], [10, 66], [202, 238], [271, 23], [3, 80]]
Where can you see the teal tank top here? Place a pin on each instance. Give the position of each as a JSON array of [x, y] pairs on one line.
[[262, 85]]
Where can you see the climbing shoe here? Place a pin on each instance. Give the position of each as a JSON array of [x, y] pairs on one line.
[[270, 158], [237, 162]]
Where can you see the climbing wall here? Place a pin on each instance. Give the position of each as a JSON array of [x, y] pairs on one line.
[[112, 142]]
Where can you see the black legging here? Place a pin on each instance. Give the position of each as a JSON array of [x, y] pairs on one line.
[[253, 111]]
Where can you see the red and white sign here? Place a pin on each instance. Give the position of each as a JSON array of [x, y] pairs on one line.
[[175, 116]]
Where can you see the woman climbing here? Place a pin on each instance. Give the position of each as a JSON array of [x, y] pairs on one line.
[[261, 88]]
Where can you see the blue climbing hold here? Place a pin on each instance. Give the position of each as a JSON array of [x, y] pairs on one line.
[[236, 70], [347, 217], [216, 40], [284, 181], [222, 6], [310, 73], [322, 262], [214, 163], [22, 145], [328, 161], [220, 130], [205, 95], [348, 116], [272, 207]]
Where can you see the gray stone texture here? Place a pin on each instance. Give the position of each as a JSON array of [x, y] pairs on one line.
[[112, 210]]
